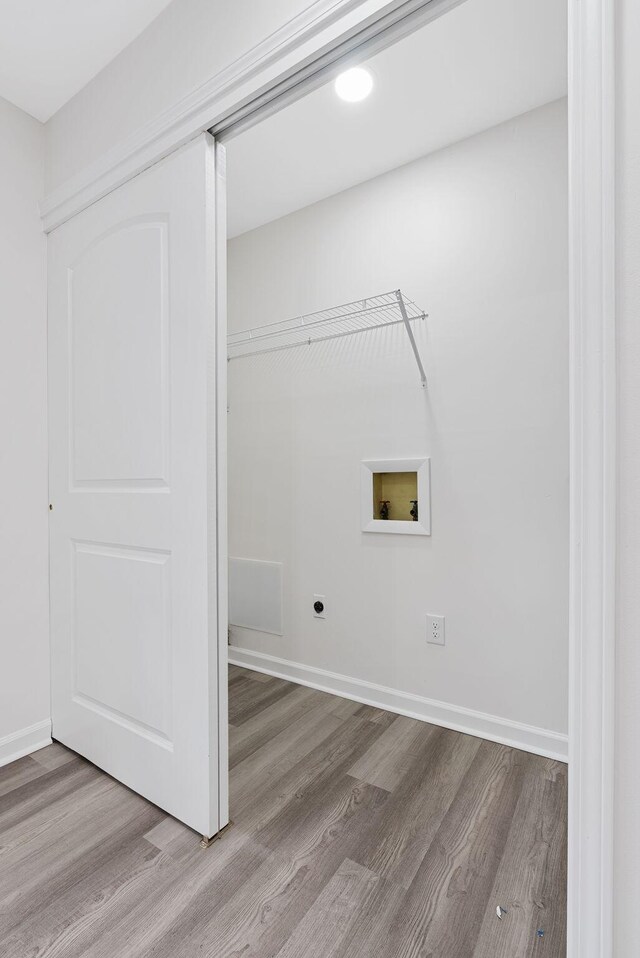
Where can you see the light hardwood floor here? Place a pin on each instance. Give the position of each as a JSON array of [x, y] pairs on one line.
[[357, 834]]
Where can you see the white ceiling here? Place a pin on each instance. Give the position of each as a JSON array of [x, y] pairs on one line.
[[49, 49], [479, 65]]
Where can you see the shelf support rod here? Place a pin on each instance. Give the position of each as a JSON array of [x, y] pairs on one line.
[[412, 339]]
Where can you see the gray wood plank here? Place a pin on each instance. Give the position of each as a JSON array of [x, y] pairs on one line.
[[343, 708], [356, 832], [278, 895], [252, 697], [28, 840], [261, 769], [44, 793], [327, 924], [260, 730], [57, 920], [445, 906], [419, 804], [380, 716], [53, 756], [393, 754], [34, 873], [171, 836], [19, 773], [296, 793], [367, 935], [531, 880], [172, 902]]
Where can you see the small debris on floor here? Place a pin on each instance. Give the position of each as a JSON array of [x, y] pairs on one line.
[[540, 932], [500, 911]]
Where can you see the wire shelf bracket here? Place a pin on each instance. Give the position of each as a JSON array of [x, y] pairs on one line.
[[361, 316]]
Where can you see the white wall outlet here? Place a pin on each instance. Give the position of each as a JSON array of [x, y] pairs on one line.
[[435, 629], [319, 607]]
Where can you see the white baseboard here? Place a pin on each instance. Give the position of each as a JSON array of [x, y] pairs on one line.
[[24, 741], [540, 741]]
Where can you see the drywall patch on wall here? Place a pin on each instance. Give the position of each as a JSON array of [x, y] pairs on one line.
[[255, 595], [478, 233]]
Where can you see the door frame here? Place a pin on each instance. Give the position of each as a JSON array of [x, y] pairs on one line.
[[300, 56]]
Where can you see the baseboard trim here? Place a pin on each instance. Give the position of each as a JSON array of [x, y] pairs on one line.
[[529, 738], [24, 741]]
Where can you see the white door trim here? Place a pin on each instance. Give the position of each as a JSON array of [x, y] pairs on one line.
[[593, 475], [217, 545], [285, 60]]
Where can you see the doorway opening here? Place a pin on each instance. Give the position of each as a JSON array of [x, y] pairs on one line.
[[416, 660]]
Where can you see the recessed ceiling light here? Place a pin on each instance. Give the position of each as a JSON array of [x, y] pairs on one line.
[[354, 85]]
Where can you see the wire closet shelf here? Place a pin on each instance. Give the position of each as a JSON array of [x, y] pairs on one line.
[[361, 316]]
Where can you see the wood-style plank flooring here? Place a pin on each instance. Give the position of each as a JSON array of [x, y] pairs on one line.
[[357, 834]]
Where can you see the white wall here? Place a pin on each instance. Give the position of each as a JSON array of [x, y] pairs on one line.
[[627, 781], [187, 44], [24, 636], [476, 234]]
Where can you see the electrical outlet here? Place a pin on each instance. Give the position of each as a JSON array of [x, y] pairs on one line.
[[435, 629], [319, 607]]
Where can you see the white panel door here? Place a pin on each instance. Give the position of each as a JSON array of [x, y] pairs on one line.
[[137, 669]]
